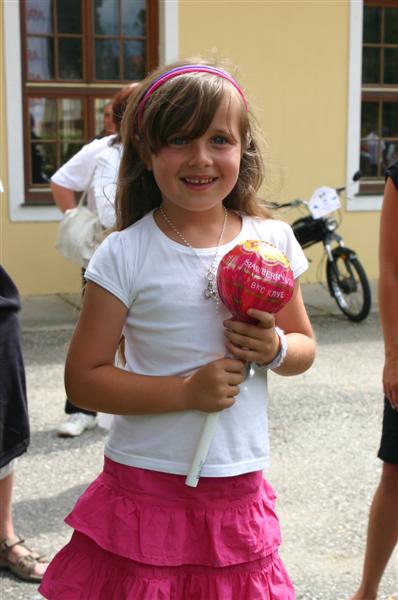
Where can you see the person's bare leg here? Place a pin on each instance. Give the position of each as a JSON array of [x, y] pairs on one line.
[[382, 533], [7, 526]]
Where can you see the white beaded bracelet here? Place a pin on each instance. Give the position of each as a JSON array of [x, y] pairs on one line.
[[280, 357]]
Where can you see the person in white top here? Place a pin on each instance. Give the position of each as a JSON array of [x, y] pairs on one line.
[[84, 171], [76, 175], [78, 172], [107, 162], [187, 187]]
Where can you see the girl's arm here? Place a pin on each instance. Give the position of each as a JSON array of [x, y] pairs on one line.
[[94, 383], [388, 289], [260, 343]]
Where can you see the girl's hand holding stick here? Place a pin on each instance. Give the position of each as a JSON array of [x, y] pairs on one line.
[[253, 275]]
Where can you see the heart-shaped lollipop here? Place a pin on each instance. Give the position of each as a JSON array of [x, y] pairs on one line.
[[254, 274]]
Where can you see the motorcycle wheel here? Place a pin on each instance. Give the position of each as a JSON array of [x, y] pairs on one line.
[[348, 284]]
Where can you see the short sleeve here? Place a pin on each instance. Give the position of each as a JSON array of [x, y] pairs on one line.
[[293, 250], [77, 172], [109, 267], [280, 234]]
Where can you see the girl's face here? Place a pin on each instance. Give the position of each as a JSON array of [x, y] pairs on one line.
[[198, 174]]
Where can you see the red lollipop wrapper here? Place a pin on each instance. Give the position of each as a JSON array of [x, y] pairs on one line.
[[254, 274]]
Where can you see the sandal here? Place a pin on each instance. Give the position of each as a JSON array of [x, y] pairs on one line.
[[25, 565]]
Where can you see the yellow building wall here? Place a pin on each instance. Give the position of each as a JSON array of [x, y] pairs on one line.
[[292, 58], [27, 249]]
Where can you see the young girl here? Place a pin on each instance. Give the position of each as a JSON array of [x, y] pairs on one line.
[[186, 195]]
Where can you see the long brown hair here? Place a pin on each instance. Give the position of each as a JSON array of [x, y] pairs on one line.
[[184, 105]]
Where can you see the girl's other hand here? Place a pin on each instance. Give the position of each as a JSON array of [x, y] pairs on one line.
[[390, 378], [213, 387], [257, 342]]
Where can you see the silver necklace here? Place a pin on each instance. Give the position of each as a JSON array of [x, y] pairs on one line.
[[210, 290]]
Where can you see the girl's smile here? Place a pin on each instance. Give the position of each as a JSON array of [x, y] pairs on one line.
[[198, 181], [198, 184], [197, 174]]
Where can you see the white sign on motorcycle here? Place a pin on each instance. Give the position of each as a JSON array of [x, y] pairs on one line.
[[323, 201]]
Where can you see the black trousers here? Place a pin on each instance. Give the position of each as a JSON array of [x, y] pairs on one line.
[[388, 451], [70, 408]]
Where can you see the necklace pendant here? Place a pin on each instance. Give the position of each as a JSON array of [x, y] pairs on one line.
[[211, 290]]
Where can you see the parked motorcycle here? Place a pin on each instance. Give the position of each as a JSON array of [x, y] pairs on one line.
[[346, 278]]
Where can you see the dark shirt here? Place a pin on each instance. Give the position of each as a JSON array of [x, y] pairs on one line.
[[393, 173], [14, 422]]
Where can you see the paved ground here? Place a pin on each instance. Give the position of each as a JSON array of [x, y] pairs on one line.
[[324, 435]]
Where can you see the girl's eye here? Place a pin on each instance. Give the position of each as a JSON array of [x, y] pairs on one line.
[[179, 140], [219, 140]]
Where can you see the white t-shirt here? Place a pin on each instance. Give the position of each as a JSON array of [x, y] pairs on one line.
[[77, 173], [172, 329], [104, 183]]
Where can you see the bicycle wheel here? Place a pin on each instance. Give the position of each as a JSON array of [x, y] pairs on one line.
[[348, 284]]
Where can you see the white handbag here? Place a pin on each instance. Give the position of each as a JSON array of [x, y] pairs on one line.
[[79, 233]]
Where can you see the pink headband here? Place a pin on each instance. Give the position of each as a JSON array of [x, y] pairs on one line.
[[182, 71]]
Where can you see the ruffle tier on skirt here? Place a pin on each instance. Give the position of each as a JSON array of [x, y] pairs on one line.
[[145, 535]]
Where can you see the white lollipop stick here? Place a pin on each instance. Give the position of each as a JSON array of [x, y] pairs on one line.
[[205, 439], [202, 449]]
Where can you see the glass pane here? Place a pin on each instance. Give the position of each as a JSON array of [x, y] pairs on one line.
[[106, 17], [391, 154], [43, 158], [40, 58], [134, 17], [103, 117], [369, 118], [70, 58], [371, 65], [43, 118], [69, 16], [134, 60], [371, 144], [71, 125], [107, 59], [38, 16], [371, 25], [390, 119], [391, 65], [391, 26], [69, 150]]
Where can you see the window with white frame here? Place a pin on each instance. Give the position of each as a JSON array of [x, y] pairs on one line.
[[75, 56], [372, 128], [379, 93], [19, 209]]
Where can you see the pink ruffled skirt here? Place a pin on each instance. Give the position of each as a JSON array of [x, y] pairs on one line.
[[144, 535]]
